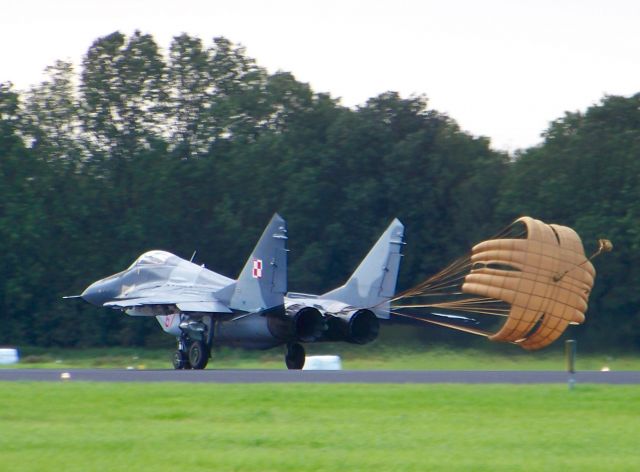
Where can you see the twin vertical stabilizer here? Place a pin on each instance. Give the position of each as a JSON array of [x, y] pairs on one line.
[[373, 283], [262, 282]]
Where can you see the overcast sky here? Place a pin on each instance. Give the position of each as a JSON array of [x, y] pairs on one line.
[[500, 68]]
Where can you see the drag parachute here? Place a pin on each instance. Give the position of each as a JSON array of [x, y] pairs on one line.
[[533, 276]]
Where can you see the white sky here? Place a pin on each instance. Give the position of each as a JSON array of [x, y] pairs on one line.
[[500, 68]]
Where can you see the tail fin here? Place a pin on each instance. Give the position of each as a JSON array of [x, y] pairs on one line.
[[262, 282], [374, 281]]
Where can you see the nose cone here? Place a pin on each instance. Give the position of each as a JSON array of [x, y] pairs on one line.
[[100, 292]]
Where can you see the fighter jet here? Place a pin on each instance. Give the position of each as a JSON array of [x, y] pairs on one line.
[[201, 307]]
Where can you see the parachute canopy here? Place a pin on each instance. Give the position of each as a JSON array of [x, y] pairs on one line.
[[534, 276]]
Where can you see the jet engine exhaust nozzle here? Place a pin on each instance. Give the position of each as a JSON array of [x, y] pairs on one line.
[[359, 327], [304, 324]]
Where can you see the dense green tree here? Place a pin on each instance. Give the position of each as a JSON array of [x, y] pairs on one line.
[[196, 150], [52, 117], [23, 223], [123, 93], [586, 175]]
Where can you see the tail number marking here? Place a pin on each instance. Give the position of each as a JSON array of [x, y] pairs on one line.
[[257, 269]]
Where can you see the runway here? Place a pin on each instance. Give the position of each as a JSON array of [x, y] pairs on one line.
[[318, 376]]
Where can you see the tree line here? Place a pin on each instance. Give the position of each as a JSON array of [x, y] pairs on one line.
[[196, 148]]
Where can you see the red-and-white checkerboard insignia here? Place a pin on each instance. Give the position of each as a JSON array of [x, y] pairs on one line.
[[257, 268]]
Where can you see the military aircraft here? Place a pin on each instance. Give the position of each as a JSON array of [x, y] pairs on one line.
[[201, 307]]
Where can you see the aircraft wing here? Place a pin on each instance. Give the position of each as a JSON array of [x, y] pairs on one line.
[[202, 306], [185, 298]]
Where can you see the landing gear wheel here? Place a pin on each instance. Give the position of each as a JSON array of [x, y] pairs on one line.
[[180, 360], [294, 358], [198, 355]]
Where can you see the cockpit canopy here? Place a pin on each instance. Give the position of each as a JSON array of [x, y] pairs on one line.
[[154, 258]]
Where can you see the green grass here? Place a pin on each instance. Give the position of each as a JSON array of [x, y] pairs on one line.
[[167, 427], [377, 356]]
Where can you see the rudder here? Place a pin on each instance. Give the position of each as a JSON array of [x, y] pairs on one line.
[[373, 283], [262, 282]]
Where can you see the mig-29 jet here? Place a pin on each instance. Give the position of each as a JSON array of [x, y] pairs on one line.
[[201, 307]]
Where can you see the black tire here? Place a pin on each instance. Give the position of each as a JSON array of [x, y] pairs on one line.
[[295, 356], [180, 360], [198, 355]]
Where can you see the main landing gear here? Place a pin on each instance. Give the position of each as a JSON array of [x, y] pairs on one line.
[[294, 358], [196, 356]]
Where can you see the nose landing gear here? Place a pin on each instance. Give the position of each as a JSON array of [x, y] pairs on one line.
[[198, 355], [180, 360]]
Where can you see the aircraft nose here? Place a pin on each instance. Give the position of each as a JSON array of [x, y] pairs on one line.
[[98, 293]]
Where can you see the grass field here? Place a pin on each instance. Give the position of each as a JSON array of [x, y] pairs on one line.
[[377, 356], [300, 427]]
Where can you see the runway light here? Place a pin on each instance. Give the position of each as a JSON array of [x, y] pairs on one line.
[[65, 376], [605, 369]]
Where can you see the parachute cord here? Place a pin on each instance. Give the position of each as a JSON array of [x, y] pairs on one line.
[[604, 245], [477, 332], [454, 271], [450, 276]]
